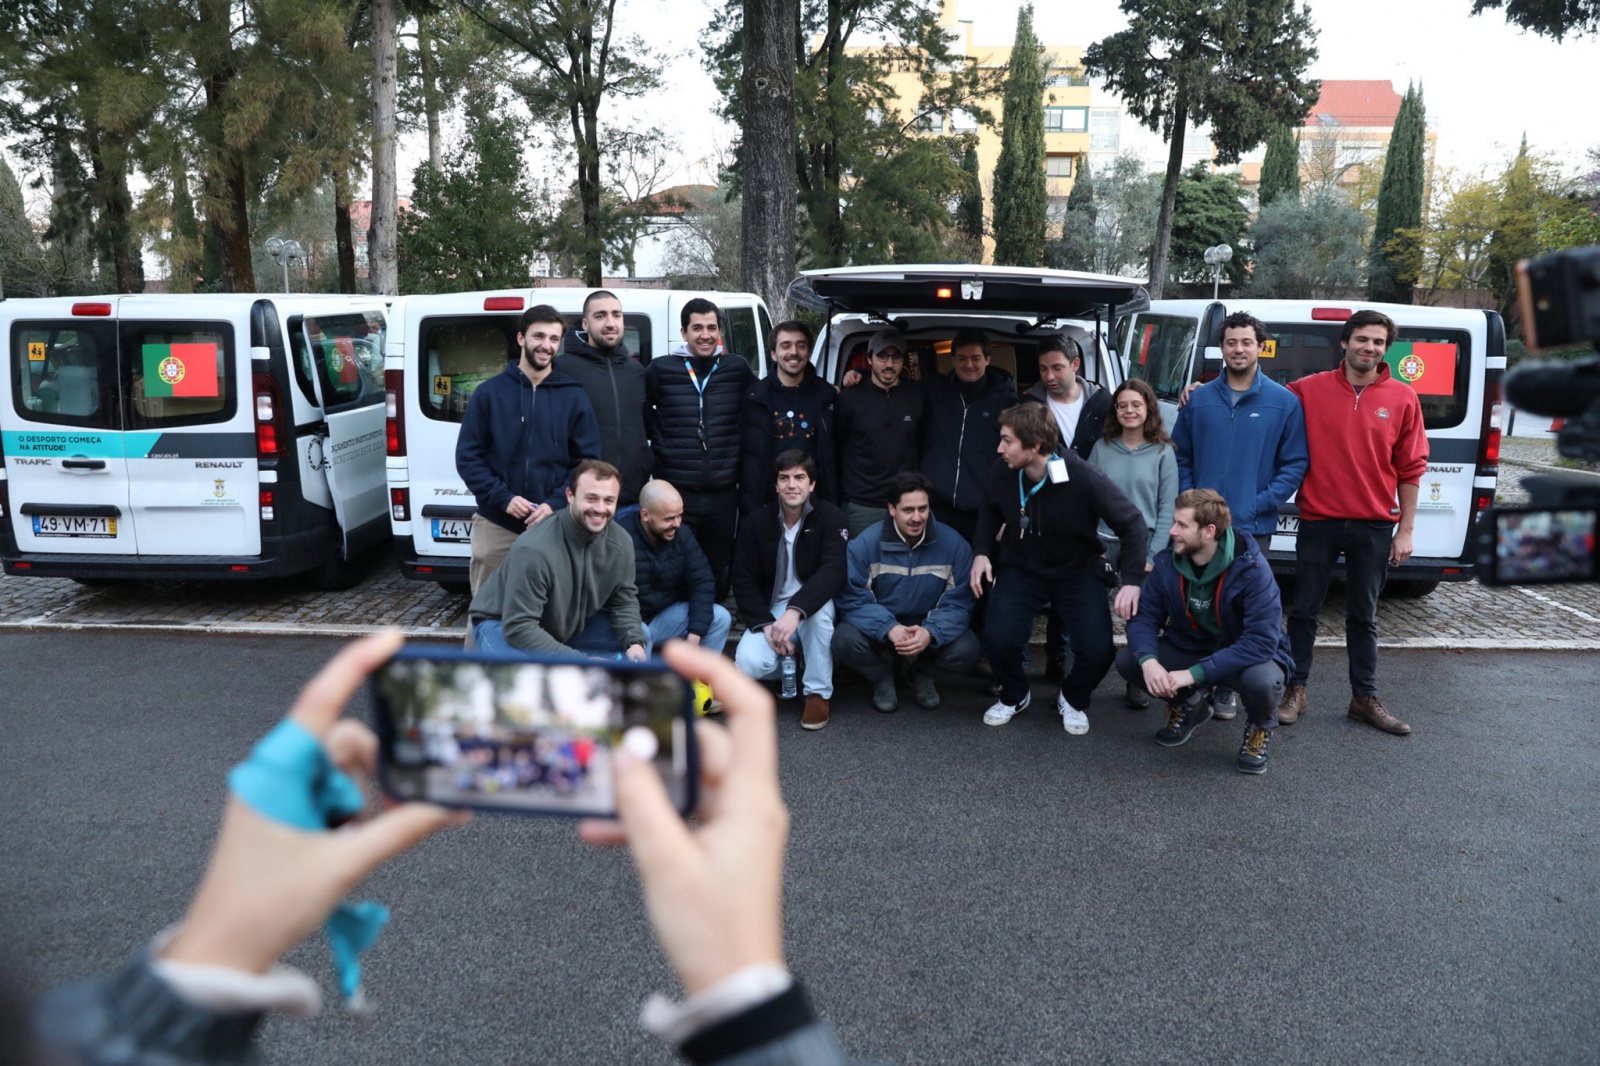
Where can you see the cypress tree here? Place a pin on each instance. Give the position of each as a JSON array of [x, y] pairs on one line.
[[1020, 195], [1399, 206], [1280, 171], [969, 211]]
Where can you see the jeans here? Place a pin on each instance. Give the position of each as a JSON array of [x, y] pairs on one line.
[[859, 517], [814, 634], [1079, 611], [868, 657], [713, 514], [1365, 547], [597, 640], [674, 622], [1260, 686]]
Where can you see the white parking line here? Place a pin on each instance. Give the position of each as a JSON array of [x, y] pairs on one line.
[[1557, 604]]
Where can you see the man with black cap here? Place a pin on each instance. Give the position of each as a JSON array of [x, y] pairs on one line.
[[878, 425]]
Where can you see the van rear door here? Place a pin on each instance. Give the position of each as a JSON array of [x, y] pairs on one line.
[[193, 479], [65, 467], [345, 352]]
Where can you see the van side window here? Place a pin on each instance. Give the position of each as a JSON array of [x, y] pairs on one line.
[[64, 374], [346, 351], [739, 335], [459, 353], [178, 374], [1162, 346]]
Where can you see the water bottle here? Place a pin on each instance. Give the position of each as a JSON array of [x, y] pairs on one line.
[[786, 665]]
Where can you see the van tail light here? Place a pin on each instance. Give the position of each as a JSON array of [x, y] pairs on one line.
[[502, 303], [400, 504], [1493, 412], [94, 310], [1482, 500], [394, 411], [267, 512], [1330, 314], [271, 433]]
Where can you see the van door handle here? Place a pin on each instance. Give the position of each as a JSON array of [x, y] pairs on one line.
[[83, 464]]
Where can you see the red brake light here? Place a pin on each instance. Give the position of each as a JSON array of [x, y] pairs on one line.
[[502, 303], [269, 417], [1330, 314], [394, 412], [1492, 413], [267, 512], [400, 504], [91, 309]]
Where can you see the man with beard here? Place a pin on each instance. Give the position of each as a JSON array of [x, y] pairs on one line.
[[1243, 435], [964, 430], [792, 407], [522, 433], [566, 587], [1210, 615], [1077, 404], [880, 424], [672, 575], [598, 358]]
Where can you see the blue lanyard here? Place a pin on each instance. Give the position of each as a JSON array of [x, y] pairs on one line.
[[1024, 495], [700, 386]]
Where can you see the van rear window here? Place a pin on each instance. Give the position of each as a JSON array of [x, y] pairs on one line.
[[1434, 362], [459, 354], [1160, 353], [177, 374], [346, 354], [65, 374]]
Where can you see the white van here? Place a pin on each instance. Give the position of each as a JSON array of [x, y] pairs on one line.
[[1457, 377], [441, 347], [210, 436]]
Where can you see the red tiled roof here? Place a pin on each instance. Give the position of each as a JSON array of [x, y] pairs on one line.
[[1356, 103], [361, 213]]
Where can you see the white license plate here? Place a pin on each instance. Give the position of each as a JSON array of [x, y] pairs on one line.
[[453, 530], [1288, 524], [56, 525]]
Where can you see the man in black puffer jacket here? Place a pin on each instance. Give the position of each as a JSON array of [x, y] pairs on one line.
[[598, 358], [694, 413], [964, 431]]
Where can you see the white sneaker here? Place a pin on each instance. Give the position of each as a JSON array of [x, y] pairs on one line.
[[1075, 721], [1001, 713]]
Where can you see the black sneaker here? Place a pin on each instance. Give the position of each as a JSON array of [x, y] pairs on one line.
[[1134, 697], [885, 700], [1253, 752], [1182, 719]]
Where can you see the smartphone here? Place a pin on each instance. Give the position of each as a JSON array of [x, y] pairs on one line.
[[1536, 545], [529, 736]]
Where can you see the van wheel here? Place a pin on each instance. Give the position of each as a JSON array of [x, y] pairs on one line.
[[458, 588], [1409, 590], [336, 574]]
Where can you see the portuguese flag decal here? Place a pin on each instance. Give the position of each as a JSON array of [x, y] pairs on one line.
[[180, 370], [1427, 366]]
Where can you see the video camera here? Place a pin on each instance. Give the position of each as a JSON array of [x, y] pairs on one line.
[[1551, 538]]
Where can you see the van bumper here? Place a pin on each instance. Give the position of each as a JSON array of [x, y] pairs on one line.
[[281, 556], [1416, 568], [451, 569]]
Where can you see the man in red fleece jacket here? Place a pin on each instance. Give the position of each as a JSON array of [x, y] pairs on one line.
[[1359, 500]]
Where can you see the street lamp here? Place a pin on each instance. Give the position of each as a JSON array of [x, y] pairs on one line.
[[284, 252], [1216, 258]]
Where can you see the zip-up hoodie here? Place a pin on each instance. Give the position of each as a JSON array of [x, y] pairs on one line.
[[893, 583], [1091, 421], [962, 434], [556, 577], [522, 439], [1364, 446], [880, 435], [1245, 622], [614, 381], [1251, 450]]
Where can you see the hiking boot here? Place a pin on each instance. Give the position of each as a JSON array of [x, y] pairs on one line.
[[885, 699], [1224, 704], [1182, 719], [1253, 752], [1072, 719], [1293, 705], [926, 695], [1134, 697], [1001, 713], [815, 716], [1370, 709]]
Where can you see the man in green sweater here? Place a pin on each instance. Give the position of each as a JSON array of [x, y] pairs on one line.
[[566, 587]]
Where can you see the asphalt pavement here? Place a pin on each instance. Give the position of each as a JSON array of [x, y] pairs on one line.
[[955, 893]]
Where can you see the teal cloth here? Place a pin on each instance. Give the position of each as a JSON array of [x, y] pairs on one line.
[[290, 779]]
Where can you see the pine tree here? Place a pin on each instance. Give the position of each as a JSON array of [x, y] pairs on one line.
[[1280, 171], [1391, 262], [969, 210], [1020, 195], [1074, 248], [21, 257]]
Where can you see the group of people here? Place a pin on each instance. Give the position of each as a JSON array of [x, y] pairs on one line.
[[905, 526]]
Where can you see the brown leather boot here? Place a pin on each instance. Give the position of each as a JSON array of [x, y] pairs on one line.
[[815, 716], [1293, 705], [1370, 709]]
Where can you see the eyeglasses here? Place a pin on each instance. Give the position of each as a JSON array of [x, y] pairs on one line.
[[1132, 405]]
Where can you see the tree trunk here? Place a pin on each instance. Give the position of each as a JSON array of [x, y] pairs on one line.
[[382, 259], [767, 255], [1169, 196], [343, 238], [586, 134], [430, 89], [833, 216], [226, 184]]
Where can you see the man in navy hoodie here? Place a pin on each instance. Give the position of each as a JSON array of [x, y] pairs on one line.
[[1210, 615], [523, 432]]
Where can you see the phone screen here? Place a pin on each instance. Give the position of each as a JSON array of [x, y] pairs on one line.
[[530, 736], [1544, 545]]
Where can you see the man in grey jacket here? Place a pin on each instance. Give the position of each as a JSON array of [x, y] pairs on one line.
[[567, 585]]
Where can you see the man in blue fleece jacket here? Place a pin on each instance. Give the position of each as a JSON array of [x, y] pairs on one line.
[[1210, 615], [524, 431]]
